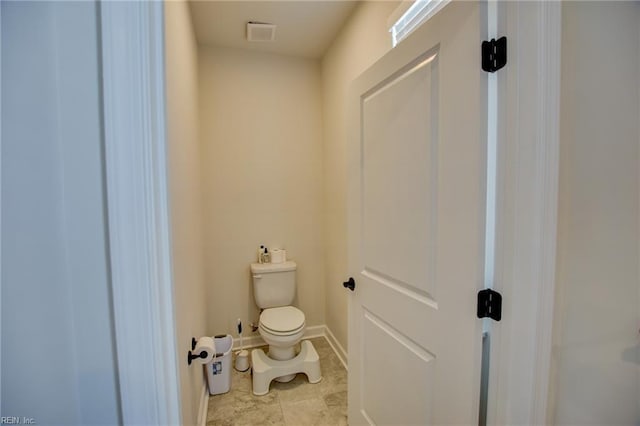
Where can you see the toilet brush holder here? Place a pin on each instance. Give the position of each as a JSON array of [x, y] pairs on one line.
[[242, 361]]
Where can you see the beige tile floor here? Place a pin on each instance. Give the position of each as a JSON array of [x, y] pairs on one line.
[[296, 403]]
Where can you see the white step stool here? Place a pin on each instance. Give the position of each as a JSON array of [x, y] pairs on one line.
[[266, 369]]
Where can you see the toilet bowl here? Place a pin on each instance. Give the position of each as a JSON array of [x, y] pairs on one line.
[[282, 328]]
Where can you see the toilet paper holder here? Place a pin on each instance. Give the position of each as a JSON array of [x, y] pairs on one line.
[[191, 356], [205, 352]]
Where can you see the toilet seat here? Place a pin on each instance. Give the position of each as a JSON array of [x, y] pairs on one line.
[[282, 321]]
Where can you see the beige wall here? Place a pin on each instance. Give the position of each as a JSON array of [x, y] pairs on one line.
[[185, 197], [261, 134], [273, 165], [363, 40], [597, 371]]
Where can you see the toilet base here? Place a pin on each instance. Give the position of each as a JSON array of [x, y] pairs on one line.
[[266, 369]]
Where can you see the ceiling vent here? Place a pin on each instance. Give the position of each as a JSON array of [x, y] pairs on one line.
[[260, 31]]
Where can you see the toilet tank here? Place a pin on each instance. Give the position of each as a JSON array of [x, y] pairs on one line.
[[274, 284]]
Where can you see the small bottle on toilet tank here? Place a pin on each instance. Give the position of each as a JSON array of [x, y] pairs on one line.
[[261, 251]]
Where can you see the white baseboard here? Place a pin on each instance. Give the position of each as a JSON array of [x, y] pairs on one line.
[[336, 346], [310, 333], [256, 341], [204, 404], [315, 331], [248, 342]]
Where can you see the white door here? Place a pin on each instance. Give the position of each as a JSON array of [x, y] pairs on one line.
[[416, 226]]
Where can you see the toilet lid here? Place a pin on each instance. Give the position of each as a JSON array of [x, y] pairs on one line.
[[283, 319]]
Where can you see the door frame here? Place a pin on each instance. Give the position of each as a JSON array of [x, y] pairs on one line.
[[135, 145], [526, 212], [139, 233]]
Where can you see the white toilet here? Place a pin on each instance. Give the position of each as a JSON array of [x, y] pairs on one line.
[[281, 326]]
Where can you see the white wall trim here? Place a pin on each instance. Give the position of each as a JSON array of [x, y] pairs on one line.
[[203, 411], [256, 340], [310, 333], [337, 347], [550, 26], [140, 256], [248, 342], [314, 331], [527, 211]]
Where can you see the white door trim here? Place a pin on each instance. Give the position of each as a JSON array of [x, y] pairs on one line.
[[136, 176], [132, 54], [527, 209]]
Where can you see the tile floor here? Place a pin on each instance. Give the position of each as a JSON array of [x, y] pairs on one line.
[[296, 403]]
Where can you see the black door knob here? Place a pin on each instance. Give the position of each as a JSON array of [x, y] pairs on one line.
[[351, 284]]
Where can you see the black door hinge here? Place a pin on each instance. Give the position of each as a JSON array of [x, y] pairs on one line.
[[494, 54], [489, 304]]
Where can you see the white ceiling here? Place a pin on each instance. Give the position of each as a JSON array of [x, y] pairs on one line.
[[304, 28]]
